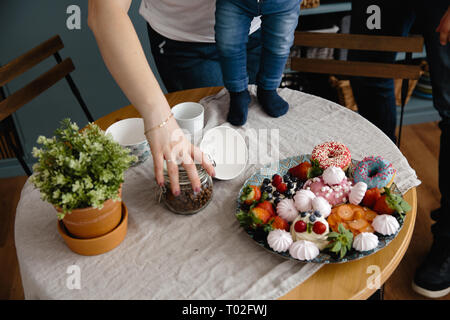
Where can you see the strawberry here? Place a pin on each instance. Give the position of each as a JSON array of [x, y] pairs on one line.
[[371, 196], [301, 171], [300, 226], [319, 227], [282, 187], [279, 223], [306, 170], [389, 203], [250, 194], [260, 215], [382, 207], [266, 205], [276, 180]]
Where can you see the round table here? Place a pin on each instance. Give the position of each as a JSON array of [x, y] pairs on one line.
[[337, 281]]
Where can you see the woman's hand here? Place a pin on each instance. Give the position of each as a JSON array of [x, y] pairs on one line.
[[170, 144], [444, 28]]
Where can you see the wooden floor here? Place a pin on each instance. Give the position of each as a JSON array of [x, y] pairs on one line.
[[420, 145]]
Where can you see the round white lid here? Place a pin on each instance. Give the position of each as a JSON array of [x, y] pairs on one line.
[[227, 148]]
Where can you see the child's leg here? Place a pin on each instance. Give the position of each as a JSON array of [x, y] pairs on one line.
[[231, 33], [279, 20]]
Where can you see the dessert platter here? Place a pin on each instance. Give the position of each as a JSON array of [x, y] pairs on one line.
[[323, 207]]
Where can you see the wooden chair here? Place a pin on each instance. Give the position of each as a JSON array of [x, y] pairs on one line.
[[405, 72], [10, 146]]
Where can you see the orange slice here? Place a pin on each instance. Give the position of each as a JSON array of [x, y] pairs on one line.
[[359, 224], [345, 212], [370, 215], [369, 228]]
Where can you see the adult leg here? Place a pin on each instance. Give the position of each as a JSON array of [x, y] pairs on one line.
[[187, 65], [233, 19], [279, 20], [432, 278], [375, 97]]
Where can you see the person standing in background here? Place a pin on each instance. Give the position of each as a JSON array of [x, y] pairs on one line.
[[375, 98]]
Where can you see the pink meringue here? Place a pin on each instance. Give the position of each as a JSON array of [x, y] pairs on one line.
[[365, 241], [334, 194], [333, 175], [286, 209], [357, 193], [322, 205], [303, 199], [303, 250], [279, 240], [385, 224]]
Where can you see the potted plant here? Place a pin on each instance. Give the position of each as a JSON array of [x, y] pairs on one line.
[[80, 173]]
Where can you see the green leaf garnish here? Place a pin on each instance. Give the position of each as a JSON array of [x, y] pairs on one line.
[[340, 242], [315, 170], [396, 202]]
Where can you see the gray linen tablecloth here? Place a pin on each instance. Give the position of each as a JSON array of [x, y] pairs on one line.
[[204, 256]]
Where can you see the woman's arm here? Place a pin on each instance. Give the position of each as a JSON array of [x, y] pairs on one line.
[[125, 59]]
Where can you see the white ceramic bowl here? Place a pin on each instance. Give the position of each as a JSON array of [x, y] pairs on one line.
[[129, 133]]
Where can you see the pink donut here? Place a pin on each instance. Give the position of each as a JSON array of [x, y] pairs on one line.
[[332, 154]]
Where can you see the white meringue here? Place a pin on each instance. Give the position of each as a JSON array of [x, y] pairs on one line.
[[333, 175], [365, 241], [303, 250], [385, 224], [322, 205], [303, 199], [286, 209], [279, 240], [357, 193]]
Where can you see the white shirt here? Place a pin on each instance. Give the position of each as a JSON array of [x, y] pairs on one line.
[[184, 20]]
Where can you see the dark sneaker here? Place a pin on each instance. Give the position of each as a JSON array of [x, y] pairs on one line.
[[432, 278]]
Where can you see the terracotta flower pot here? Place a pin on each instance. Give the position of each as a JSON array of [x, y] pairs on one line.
[[98, 245], [90, 222]]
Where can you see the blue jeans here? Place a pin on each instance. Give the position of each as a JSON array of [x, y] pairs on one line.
[[233, 17], [375, 97], [189, 65]]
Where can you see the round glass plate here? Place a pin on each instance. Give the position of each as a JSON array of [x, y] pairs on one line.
[[260, 236]]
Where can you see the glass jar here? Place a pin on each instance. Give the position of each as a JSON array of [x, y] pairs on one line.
[[188, 202]]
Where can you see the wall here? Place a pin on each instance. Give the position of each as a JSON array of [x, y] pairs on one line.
[[25, 24]]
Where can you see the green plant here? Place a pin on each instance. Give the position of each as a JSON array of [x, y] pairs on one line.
[[79, 169], [340, 242]]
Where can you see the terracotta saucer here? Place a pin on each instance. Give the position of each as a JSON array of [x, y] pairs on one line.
[[99, 245]]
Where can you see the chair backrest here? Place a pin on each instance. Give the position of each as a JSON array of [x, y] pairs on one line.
[[358, 42], [25, 62]]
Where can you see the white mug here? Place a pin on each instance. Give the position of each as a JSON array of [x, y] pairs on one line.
[[190, 117]]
